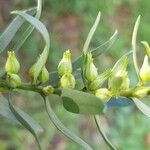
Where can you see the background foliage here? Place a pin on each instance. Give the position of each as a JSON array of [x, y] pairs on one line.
[[69, 24]]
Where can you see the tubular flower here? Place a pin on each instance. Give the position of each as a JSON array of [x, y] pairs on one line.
[[90, 69], [12, 65], [13, 80], [67, 81], [65, 65], [145, 70], [140, 92], [119, 79], [44, 75]]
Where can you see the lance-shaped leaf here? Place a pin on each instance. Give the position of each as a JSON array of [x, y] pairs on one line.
[[27, 122], [116, 102], [59, 125], [11, 30], [29, 29], [80, 102], [91, 33], [142, 107], [42, 29], [97, 51]]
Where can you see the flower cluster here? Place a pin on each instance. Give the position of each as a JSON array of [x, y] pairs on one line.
[[117, 77]]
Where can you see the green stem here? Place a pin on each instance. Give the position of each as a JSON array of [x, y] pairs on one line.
[[58, 124], [102, 134]]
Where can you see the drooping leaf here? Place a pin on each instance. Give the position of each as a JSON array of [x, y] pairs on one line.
[[142, 107], [42, 29], [116, 102], [11, 30], [29, 29], [6, 112], [25, 120], [80, 102], [59, 125], [134, 48]]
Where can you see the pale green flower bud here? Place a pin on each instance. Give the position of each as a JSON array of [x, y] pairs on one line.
[[48, 90], [65, 65], [103, 93], [119, 79], [13, 80], [12, 65], [140, 92], [147, 48], [145, 70], [44, 75], [98, 82], [67, 81], [90, 69]]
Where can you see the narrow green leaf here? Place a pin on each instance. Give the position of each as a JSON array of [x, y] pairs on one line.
[[98, 124], [6, 112], [58, 124], [134, 36], [91, 33], [142, 107], [11, 30], [28, 123], [29, 30], [81, 103], [37, 24]]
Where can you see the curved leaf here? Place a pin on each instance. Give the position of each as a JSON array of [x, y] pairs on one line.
[[134, 36], [98, 124], [142, 107], [11, 30], [91, 33], [81, 103], [6, 112], [58, 124], [29, 30], [27, 122]]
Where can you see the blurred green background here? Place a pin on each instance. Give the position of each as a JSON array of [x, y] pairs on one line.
[[69, 22]]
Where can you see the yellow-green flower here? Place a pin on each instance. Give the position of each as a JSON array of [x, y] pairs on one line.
[[67, 81], [44, 75], [13, 80], [145, 70], [140, 92], [65, 65], [12, 65], [90, 69], [119, 79]]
